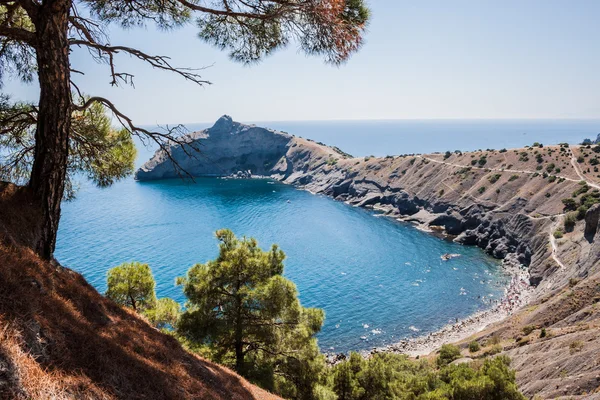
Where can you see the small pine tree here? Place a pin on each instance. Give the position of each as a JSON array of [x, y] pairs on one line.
[[241, 306], [132, 285]]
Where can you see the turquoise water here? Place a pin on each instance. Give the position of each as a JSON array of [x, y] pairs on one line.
[[375, 278], [378, 280]]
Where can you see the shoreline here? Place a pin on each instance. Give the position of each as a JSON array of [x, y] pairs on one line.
[[517, 295]]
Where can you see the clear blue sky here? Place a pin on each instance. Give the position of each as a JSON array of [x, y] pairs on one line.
[[422, 59]]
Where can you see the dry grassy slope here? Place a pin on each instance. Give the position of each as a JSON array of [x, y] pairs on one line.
[[506, 188], [60, 339], [567, 361]]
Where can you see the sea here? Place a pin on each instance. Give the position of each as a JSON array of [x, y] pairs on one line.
[[378, 280]]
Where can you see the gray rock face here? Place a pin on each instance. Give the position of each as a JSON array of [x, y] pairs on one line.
[[592, 217], [225, 149]]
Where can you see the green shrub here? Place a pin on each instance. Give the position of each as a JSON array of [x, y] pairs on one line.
[[394, 376], [474, 346], [495, 349], [481, 189], [570, 221], [543, 333], [569, 204], [494, 178], [558, 234], [448, 353], [513, 178]]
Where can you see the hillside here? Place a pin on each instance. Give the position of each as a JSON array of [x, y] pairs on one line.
[[61, 339], [508, 202]]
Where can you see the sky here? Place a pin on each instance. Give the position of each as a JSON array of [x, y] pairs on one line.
[[426, 59]]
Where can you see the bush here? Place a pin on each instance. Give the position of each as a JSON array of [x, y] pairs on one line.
[[558, 234], [570, 221], [447, 155], [448, 353], [481, 189], [496, 349], [576, 346], [394, 376], [528, 329], [494, 178], [543, 333], [474, 346], [569, 204]]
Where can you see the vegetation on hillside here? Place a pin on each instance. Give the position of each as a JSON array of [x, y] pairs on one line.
[[243, 313]]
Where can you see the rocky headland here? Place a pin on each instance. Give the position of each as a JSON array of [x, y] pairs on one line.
[[509, 202]]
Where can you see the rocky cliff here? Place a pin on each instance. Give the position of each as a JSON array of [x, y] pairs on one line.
[[493, 199], [511, 203]]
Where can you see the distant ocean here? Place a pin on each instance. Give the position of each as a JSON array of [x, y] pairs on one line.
[[394, 137], [378, 280]]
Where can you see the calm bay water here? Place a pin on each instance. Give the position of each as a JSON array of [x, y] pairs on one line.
[[378, 280]]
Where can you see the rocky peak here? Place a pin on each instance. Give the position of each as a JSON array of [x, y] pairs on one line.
[[223, 124]]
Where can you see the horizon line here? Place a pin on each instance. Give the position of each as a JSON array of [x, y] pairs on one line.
[[590, 119]]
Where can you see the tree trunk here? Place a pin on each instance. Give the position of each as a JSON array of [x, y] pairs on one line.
[[49, 170], [239, 345]]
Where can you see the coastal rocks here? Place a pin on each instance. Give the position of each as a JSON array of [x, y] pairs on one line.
[[592, 217], [224, 149], [412, 188]]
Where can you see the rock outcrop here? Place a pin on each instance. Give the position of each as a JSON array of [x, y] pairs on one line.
[[414, 188]]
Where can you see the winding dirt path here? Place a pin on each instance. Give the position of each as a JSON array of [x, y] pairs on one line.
[[553, 228], [559, 217], [575, 165], [520, 171]]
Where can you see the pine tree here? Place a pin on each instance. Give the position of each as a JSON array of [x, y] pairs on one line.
[[242, 306], [36, 39]]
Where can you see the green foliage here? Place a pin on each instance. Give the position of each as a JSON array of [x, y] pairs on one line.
[[447, 155], [332, 161], [558, 234], [101, 153], [570, 221], [481, 189], [494, 178], [474, 346], [242, 307], [132, 285], [448, 353], [513, 178], [164, 314], [543, 333], [393, 376], [569, 204]]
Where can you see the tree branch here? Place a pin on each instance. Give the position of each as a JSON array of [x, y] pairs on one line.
[[159, 62], [18, 34], [163, 140]]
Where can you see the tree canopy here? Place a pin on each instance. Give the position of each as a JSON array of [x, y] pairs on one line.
[[44, 144], [244, 309], [132, 285]]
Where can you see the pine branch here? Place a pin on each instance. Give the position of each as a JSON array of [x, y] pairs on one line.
[[107, 53]]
